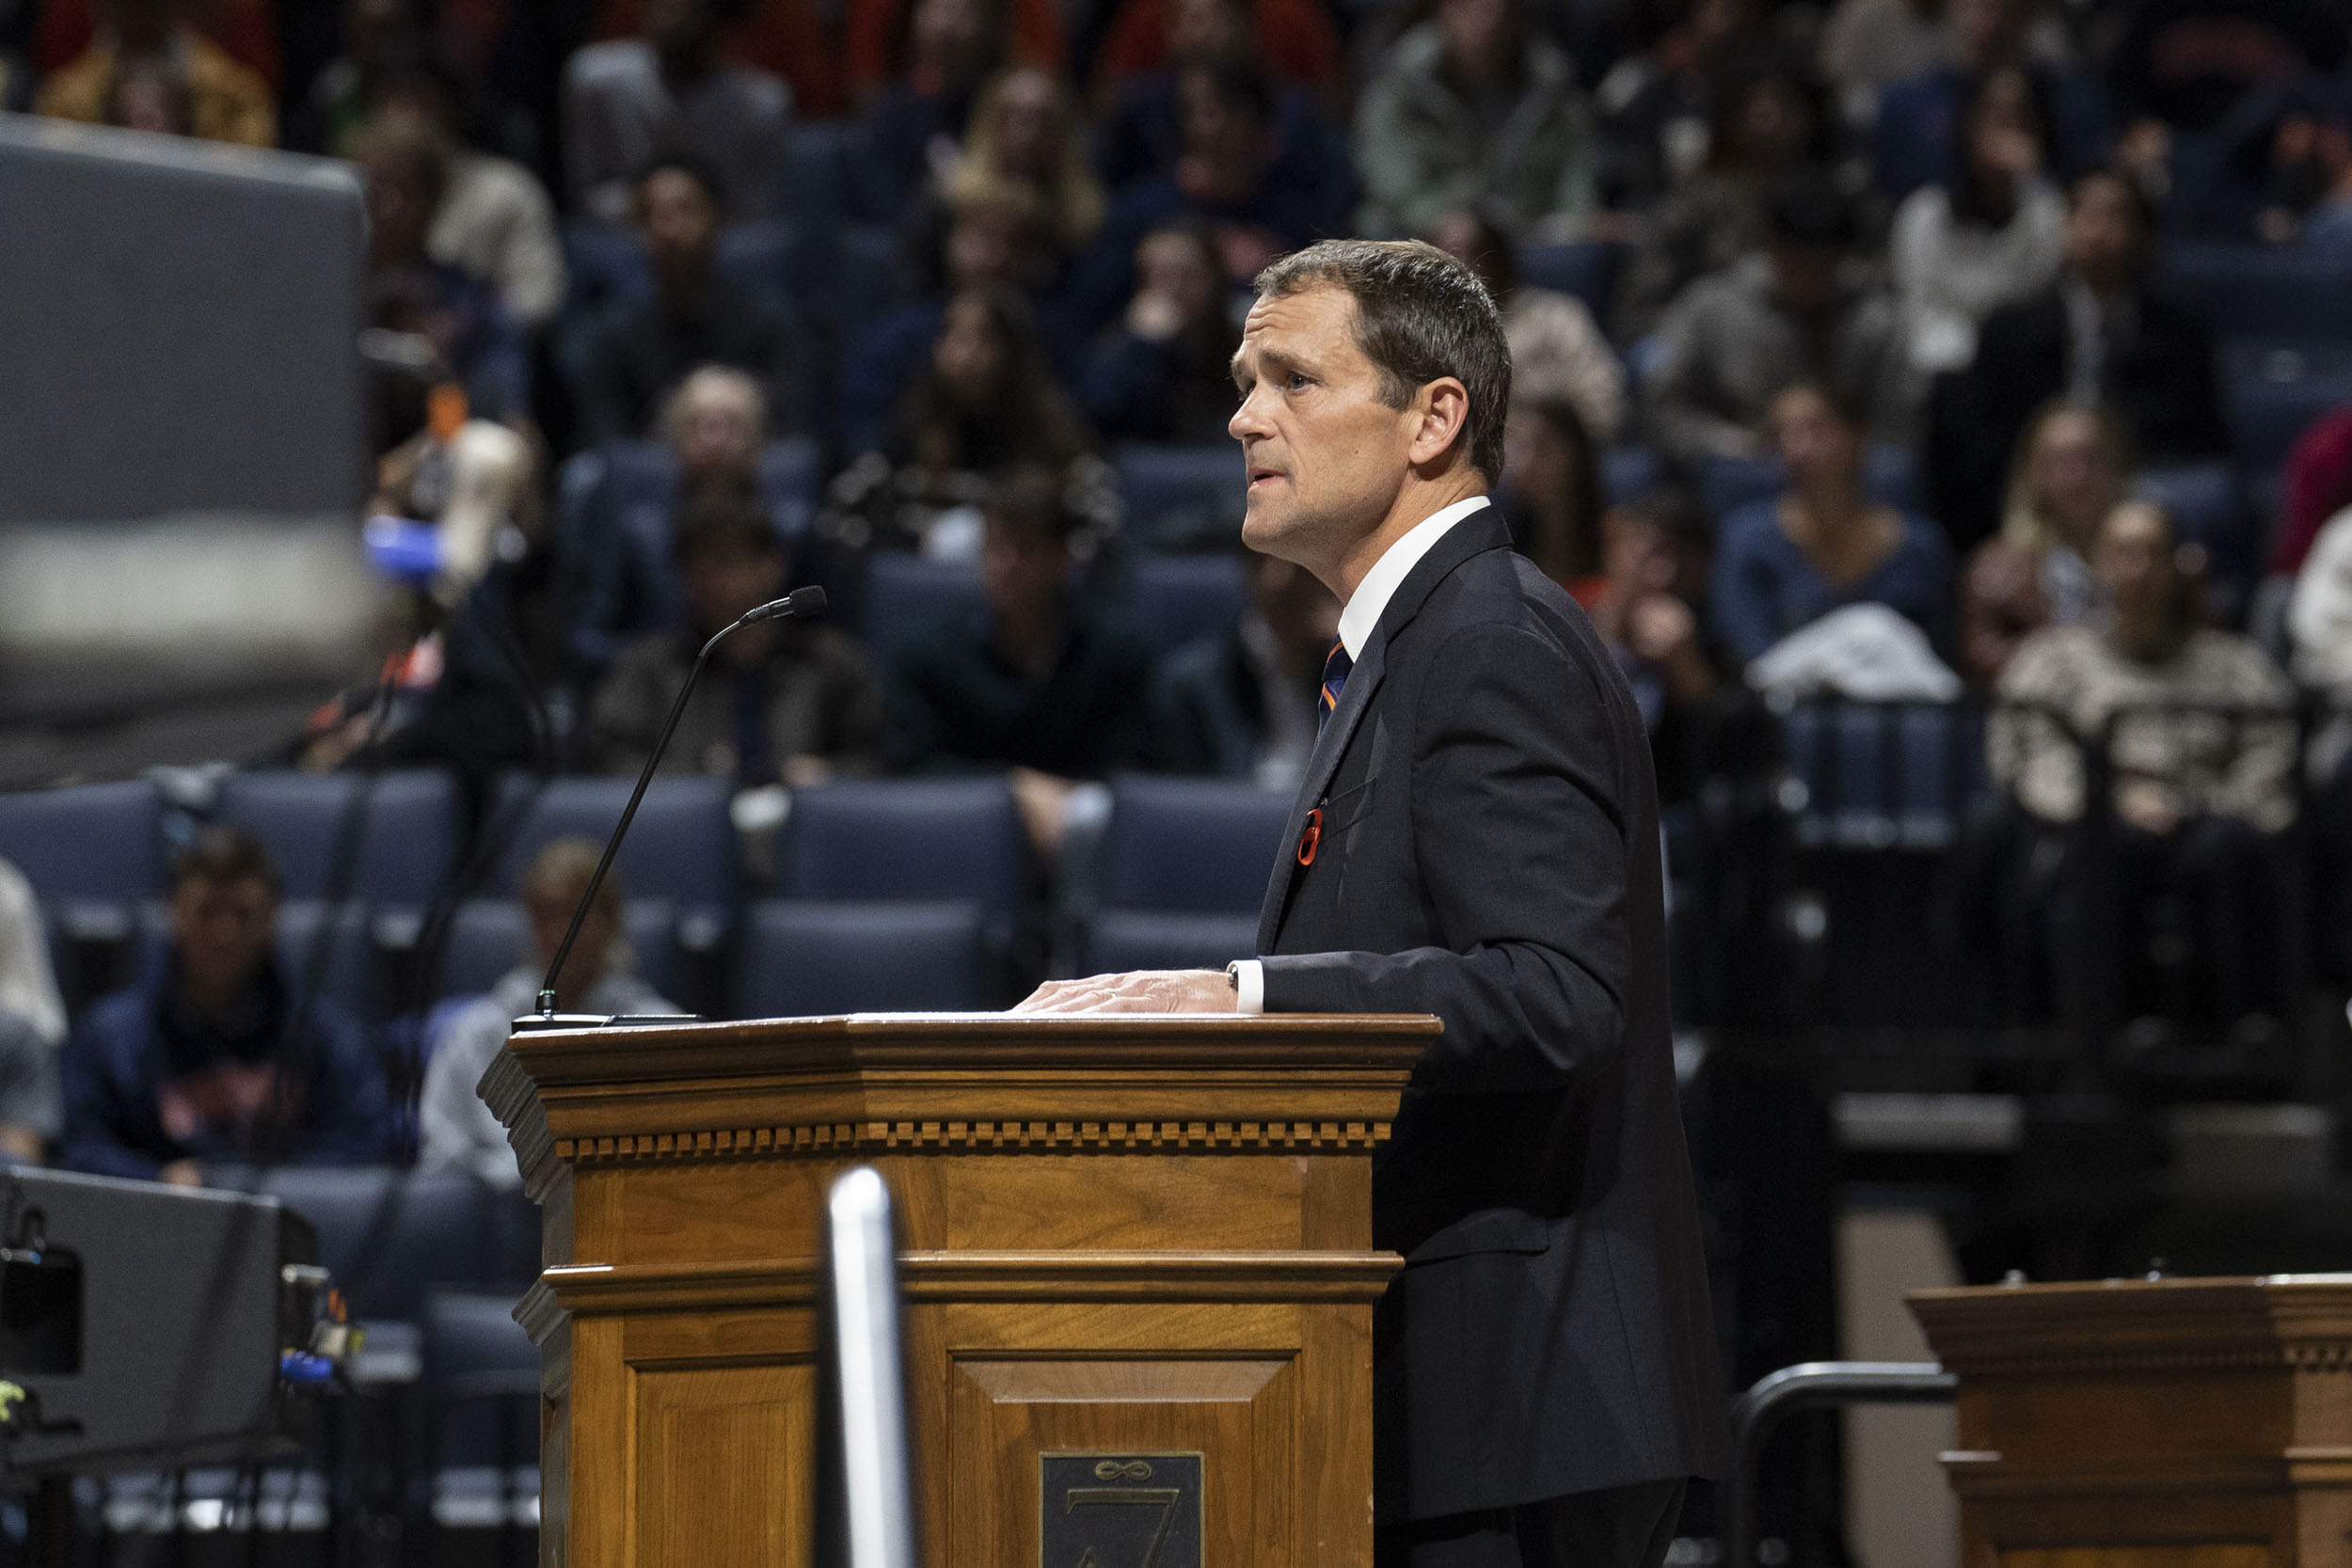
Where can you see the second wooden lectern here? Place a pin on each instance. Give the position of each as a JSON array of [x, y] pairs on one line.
[[1136, 1261]]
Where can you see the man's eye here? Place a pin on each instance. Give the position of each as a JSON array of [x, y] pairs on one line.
[[1294, 380]]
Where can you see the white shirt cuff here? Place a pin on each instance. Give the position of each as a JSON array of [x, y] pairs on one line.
[[1248, 987]]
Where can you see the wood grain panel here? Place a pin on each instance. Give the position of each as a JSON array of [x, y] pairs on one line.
[[2231, 1554], [726, 1471]]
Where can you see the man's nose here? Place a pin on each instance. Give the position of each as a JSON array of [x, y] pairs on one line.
[[1248, 420]]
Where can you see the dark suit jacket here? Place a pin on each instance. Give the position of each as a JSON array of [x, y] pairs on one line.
[[1490, 854], [2163, 386]]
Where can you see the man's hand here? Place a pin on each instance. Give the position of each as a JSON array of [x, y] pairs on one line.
[[1151, 990]]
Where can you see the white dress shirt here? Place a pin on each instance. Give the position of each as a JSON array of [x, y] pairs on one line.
[[1357, 620]]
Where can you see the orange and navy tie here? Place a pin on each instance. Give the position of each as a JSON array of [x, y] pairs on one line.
[[1335, 668]]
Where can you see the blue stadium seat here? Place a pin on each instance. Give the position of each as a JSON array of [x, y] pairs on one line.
[[1119, 940], [387, 1236], [489, 936], [766, 257], [1192, 845], [907, 597], [813, 171], [807, 957], [2206, 507], [1890, 475], [2240, 289], [1586, 268], [681, 847], [866, 275], [603, 262], [481, 1382], [407, 829], [1181, 495], [905, 838], [1882, 775], [791, 476], [1628, 474], [1176, 599], [607, 261], [100, 844], [2275, 391]]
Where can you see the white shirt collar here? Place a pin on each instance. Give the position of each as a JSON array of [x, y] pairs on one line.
[[1380, 586]]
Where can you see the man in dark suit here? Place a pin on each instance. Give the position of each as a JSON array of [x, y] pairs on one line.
[[2099, 334], [1477, 837]]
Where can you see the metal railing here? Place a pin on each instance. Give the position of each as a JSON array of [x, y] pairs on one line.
[[1809, 1386], [874, 1474]]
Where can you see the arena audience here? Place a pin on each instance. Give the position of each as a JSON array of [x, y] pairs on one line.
[[216, 1057], [1294, 39], [455, 1130], [1992, 233], [2072, 468], [1800, 310], [1243, 706], [667, 93], [224, 100], [1550, 491], [1040, 681], [915, 121], [2099, 334], [1026, 131], [1786, 562], [1474, 108], [32, 1025], [628, 357], [1657, 103], [1557, 352], [1141, 137], [1919, 122], [1164, 373]]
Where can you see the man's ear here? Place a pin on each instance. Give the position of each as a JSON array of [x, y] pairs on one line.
[[1441, 415]]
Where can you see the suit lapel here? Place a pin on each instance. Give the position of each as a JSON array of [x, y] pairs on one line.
[[1478, 532]]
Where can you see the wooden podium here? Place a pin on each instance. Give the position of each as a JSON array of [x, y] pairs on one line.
[[1135, 1256], [2169, 1423]]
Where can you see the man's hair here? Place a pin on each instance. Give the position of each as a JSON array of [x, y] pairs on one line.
[[1808, 207], [722, 519], [701, 376], [1420, 315], [221, 854]]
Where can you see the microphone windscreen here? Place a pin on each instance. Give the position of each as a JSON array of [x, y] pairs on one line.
[[805, 601]]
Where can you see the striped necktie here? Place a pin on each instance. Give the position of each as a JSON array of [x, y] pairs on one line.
[[1335, 668]]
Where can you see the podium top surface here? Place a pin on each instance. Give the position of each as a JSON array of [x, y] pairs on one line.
[[861, 1044], [2255, 1319]]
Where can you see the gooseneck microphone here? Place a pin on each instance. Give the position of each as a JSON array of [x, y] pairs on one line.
[[800, 603]]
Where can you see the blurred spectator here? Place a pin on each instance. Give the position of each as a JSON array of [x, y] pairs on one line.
[[409, 51], [2193, 790], [631, 102], [1040, 681], [2184, 63], [455, 1130], [2169, 768], [459, 316], [1802, 310], [1226, 175], [2072, 468], [715, 424], [226, 101], [493, 219], [2279, 170], [1141, 137], [213, 1056], [1991, 234], [1474, 108], [1641, 607], [1663, 110], [791, 38], [1243, 706], [150, 95], [1784, 564], [2099, 335], [1165, 374], [1913, 138], [996, 237], [2314, 486], [985, 401], [915, 122], [2319, 617], [786, 701], [892, 43], [1026, 130], [1768, 119], [1550, 492], [1294, 39], [1869, 46], [2319, 627], [1556, 350], [628, 355], [61, 31], [32, 1025]]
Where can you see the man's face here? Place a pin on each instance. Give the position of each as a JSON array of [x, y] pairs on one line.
[[1816, 445], [1804, 277], [2103, 235], [718, 428], [678, 217], [1477, 34], [550, 905], [221, 931], [723, 583], [2134, 558], [1326, 457], [1023, 570]]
